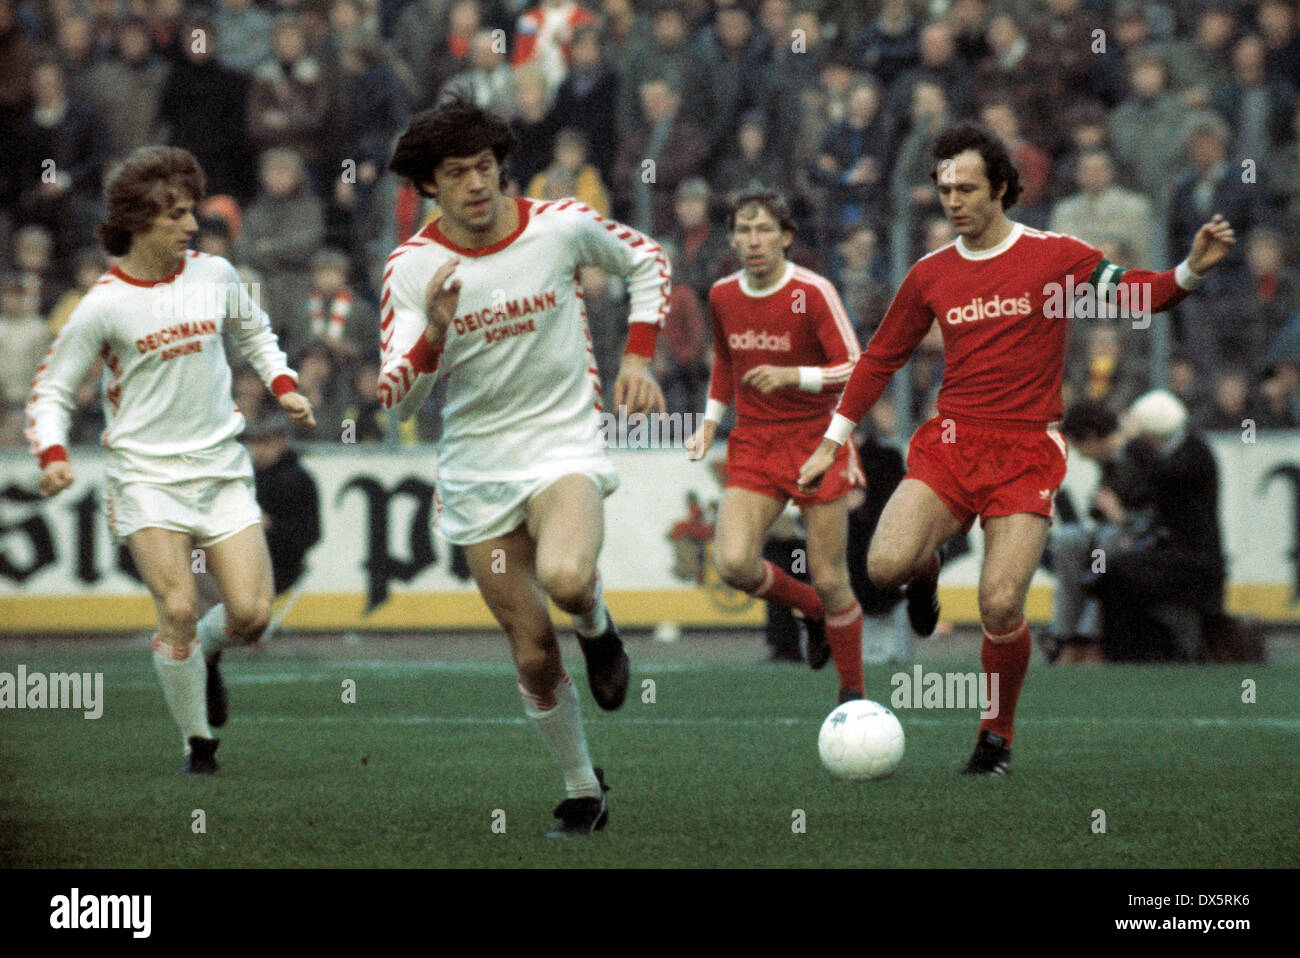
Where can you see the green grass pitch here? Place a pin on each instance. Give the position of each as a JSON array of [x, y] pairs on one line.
[[433, 765]]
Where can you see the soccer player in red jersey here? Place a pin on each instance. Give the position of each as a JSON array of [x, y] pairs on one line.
[[488, 296], [783, 349], [1001, 293]]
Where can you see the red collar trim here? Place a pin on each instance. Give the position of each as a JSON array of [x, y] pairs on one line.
[[134, 281], [434, 233]]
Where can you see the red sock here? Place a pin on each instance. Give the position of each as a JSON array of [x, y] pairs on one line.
[[1008, 660], [844, 633], [780, 586]]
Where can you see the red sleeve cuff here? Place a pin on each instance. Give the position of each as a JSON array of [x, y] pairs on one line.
[[423, 356], [283, 384], [641, 339], [52, 454]]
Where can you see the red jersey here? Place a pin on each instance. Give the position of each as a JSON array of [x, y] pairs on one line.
[[541, 22], [798, 322], [1002, 312]]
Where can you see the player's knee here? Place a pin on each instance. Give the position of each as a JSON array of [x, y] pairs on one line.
[[1000, 607], [567, 583], [830, 582], [249, 621], [738, 569], [182, 615], [887, 571]]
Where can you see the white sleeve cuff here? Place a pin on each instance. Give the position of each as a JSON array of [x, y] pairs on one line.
[[714, 410], [810, 379], [1185, 278], [840, 429]]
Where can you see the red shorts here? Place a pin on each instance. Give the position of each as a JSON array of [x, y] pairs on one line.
[[988, 471], [766, 459]]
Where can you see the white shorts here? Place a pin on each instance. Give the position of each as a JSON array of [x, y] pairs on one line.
[[471, 511], [208, 509]]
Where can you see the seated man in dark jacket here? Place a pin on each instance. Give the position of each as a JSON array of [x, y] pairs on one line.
[[1166, 577], [288, 497], [1079, 544]]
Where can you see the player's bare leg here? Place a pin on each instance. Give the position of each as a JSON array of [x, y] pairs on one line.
[[567, 521], [503, 569], [162, 557], [905, 549], [913, 524], [241, 567], [1013, 546], [743, 520], [241, 564], [828, 536], [744, 517], [505, 572]]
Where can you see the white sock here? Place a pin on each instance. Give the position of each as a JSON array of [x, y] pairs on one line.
[[211, 631], [184, 682], [559, 720], [591, 624]]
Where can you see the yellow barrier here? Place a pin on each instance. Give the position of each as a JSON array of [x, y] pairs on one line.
[[428, 611]]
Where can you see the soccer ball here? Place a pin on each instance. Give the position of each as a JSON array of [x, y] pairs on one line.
[[861, 741]]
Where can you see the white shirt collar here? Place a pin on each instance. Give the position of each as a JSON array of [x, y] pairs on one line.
[[758, 293], [1016, 230]]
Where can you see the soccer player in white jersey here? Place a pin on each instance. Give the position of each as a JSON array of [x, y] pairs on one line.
[[178, 479], [488, 296]]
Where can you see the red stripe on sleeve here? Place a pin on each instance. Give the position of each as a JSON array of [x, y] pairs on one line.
[[641, 338], [52, 454], [423, 356]]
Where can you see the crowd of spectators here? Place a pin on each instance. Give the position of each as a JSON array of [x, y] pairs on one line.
[[1130, 121]]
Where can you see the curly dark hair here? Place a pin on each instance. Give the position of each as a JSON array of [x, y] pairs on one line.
[[997, 160], [771, 200], [144, 186], [1088, 419], [456, 127]]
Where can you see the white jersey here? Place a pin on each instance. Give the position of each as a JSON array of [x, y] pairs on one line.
[[523, 394], [166, 388]]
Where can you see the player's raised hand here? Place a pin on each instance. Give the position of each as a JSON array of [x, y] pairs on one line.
[[1212, 242], [440, 299], [298, 407], [55, 477], [811, 472], [700, 441], [636, 388], [768, 379]]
